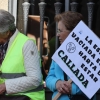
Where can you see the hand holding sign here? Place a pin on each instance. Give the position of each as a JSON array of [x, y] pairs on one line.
[[63, 87], [59, 94]]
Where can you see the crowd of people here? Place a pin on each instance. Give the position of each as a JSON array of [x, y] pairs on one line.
[[20, 68]]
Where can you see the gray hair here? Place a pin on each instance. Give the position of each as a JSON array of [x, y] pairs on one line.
[[6, 21]]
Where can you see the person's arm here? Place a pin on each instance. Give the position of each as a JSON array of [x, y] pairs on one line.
[[51, 79], [33, 76]]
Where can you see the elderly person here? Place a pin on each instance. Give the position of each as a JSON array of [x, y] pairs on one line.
[[20, 72], [57, 80]]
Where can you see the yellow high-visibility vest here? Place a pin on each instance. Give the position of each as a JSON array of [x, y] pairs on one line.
[[13, 66]]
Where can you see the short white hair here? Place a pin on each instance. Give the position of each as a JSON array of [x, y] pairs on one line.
[[6, 21]]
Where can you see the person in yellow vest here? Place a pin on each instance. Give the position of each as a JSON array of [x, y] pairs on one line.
[[20, 72]]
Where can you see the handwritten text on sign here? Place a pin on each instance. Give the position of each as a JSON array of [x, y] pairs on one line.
[[79, 57]]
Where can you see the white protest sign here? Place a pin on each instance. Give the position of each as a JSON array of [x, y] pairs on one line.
[[79, 57]]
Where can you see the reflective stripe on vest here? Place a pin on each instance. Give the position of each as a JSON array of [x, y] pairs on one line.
[[11, 75], [16, 75]]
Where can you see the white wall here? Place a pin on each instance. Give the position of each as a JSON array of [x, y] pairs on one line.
[[4, 4], [12, 8]]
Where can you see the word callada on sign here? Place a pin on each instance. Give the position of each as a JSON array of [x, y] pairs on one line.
[[72, 67]]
